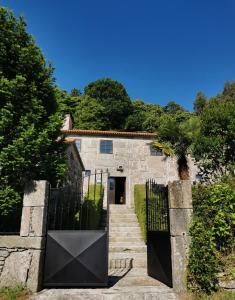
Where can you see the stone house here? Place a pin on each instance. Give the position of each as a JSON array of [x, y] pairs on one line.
[[129, 158]]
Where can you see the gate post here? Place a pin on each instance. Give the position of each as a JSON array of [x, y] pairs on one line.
[[180, 213], [33, 228]]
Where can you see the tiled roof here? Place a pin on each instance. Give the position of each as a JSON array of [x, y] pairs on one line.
[[110, 133]]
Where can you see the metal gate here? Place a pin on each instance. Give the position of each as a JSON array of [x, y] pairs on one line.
[[76, 246], [158, 233]]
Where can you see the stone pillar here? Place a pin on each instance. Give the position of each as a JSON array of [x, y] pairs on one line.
[[22, 256], [180, 212]]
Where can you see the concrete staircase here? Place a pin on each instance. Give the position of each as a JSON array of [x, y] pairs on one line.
[[126, 246]]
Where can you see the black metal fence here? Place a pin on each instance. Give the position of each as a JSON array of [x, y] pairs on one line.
[[77, 207], [157, 213], [158, 232]]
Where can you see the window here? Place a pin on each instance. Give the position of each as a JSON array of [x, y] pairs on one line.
[[155, 152], [78, 145], [87, 172], [106, 146]]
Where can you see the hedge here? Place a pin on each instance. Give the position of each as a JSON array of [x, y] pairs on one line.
[[140, 207]]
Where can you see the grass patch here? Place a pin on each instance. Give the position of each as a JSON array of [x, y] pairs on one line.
[[12, 293], [140, 207], [220, 295]]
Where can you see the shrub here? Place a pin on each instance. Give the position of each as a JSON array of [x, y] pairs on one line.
[[92, 207], [140, 207], [212, 233]]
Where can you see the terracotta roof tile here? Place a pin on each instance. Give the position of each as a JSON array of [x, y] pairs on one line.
[[110, 133]]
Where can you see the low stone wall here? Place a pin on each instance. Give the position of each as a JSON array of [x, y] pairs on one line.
[[21, 257]]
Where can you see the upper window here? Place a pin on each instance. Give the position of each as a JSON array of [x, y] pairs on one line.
[[78, 145], [106, 146], [155, 152]]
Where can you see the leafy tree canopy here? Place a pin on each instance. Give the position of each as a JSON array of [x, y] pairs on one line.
[[113, 96], [90, 114], [215, 147], [199, 103], [29, 121]]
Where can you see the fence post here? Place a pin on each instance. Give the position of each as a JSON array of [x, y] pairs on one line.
[[180, 213], [33, 225]]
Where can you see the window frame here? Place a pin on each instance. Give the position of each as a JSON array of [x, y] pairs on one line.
[[155, 152], [103, 141]]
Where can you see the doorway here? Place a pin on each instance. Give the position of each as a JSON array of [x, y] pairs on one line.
[[117, 190]]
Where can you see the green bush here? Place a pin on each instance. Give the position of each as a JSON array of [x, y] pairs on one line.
[[140, 207], [212, 234], [10, 209], [92, 207]]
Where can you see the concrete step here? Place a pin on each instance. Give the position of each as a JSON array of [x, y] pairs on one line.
[[135, 229], [124, 239], [130, 248], [131, 260], [122, 218], [125, 233], [131, 272], [122, 224]]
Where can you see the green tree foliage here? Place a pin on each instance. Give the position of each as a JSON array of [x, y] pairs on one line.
[[172, 107], [75, 93], [212, 233], [90, 114], [144, 117], [113, 97], [175, 137], [199, 103], [214, 149], [29, 122]]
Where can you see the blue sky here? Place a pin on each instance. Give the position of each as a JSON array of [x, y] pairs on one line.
[[160, 50]]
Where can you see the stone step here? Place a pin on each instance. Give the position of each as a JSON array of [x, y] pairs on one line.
[[124, 239], [131, 272], [131, 260], [122, 224], [123, 218], [135, 229], [124, 249], [125, 233]]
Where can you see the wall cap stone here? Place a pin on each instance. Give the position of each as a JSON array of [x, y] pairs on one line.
[[15, 241], [36, 193]]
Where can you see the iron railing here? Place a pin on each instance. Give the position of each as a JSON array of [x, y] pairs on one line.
[[157, 209], [79, 207]]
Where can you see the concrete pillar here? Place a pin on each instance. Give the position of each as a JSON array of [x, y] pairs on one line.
[[180, 212]]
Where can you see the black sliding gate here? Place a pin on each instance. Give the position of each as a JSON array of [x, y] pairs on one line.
[[158, 233], [77, 247]]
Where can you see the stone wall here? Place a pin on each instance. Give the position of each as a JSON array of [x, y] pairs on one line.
[[180, 212], [133, 154], [75, 167], [21, 257]]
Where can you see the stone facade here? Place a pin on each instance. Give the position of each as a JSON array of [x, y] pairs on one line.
[[132, 153], [21, 257], [75, 167]]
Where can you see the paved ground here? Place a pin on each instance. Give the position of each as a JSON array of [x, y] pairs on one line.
[[124, 284]]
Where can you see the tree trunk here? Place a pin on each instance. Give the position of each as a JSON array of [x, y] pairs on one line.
[[183, 168]]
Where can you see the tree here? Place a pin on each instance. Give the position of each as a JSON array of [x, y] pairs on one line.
[[114, 98], [214, 149], [176, 138], [172, 107], [75, 93], [90, 114], [135, 120], [199, 103], [29, 121]]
